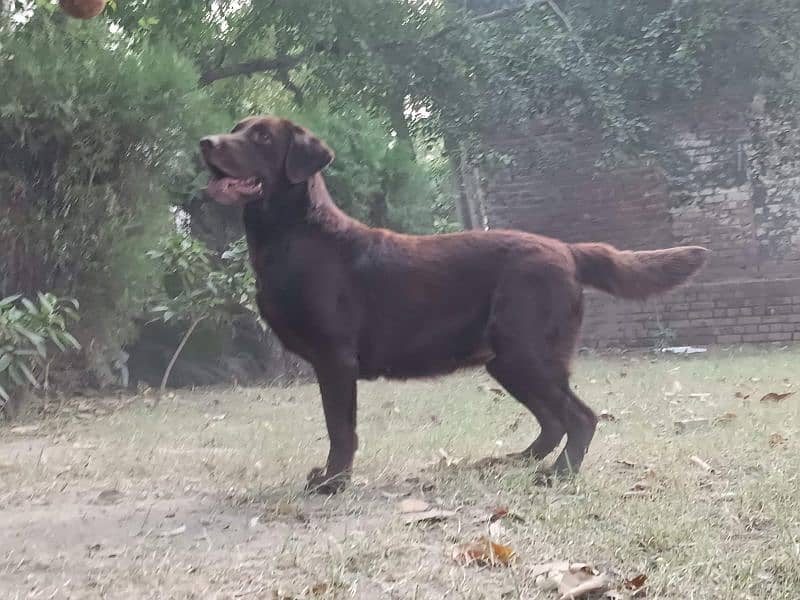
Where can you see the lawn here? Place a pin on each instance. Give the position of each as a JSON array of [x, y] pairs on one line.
[[202, 496]]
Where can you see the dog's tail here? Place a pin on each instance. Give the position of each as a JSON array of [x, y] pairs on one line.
[[635, 275]]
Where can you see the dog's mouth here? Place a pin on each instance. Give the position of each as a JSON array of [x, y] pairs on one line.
[[226, 189]]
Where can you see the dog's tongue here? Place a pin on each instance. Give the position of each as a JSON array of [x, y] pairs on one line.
[[229, 190]]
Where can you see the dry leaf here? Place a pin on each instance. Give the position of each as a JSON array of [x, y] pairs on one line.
[[24, 429], [558, 566], [173, 532], [639, 489], [502, 512], [607, 416], [447, 460], [690, 425], [319, 589], [626, 463], [635, 583], [702, 464], [741, 395], [429, 516], [580, 580], [498, 513], [484, 552], [111, 496], [776, 439], [725, 418], [773, 397], [413, 505]]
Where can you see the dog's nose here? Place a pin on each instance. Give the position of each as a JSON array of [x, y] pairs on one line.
[[208, 143]]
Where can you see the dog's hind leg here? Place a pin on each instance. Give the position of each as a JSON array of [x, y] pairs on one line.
[[524, 386]]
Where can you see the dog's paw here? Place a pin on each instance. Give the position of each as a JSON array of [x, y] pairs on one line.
[[319, 482]]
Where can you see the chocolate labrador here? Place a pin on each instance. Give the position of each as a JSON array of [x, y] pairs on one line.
[[361, 303]]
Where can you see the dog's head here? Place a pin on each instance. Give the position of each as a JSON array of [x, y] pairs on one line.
[[260, 156]]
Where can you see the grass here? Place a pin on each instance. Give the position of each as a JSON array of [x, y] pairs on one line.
[[202, 497]]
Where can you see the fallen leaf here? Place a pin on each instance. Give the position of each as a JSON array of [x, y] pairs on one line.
[[773, 397], [700, 396], [429, 516], [173, 532], [626, 463], [580, 581], [484, 552], [84, 446], [725, 418], [558, 566], [447, 460], [498, 513], [24, 429], [111, 496], [741, 395], [215, 417], [635, 583], [319, 589], [701, 463], [413, 505], [690, 425], [607, 416], [394, 495], [776, 439], [639, 489]]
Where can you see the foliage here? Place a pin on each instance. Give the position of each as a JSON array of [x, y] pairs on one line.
[[26, 331], [196, 287], [99, 120], [97, 139]]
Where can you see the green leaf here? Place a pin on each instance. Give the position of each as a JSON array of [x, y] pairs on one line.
[[5, 361], [28, 375], [34, 338], [10, 300], [70, 339], [4, 394], [30, 306], [45, 301], [14, 374]]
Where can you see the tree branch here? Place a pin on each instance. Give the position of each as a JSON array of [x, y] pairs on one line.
[[259, 65], [263, 65]]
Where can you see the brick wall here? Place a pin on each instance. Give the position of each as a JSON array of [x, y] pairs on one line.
[[729, 179]]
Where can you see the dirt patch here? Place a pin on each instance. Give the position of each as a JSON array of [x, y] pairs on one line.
[[202, 497]]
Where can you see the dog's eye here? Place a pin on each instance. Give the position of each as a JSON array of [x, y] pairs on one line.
[[261, 136]]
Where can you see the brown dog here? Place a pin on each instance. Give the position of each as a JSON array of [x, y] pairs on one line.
[[361, 303]]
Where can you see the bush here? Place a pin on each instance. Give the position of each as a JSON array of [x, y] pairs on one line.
[[26, 331], [99, 138]]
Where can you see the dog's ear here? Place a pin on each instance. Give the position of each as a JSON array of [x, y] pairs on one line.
[[306, 156]]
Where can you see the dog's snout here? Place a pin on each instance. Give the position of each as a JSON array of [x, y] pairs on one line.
[[208, 143]]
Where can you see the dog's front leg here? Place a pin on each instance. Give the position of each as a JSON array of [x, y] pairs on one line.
[[337, 383]]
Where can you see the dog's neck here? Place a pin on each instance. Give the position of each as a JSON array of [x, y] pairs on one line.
[[307, 204]]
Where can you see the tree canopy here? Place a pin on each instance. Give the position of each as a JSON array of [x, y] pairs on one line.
[[99, 120]]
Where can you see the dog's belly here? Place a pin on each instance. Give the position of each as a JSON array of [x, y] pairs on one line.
[[405, 350]]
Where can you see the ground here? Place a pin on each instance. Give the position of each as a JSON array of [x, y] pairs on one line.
[[202, 496]]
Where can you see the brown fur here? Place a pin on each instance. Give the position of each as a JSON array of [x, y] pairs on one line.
[[361, 303]]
